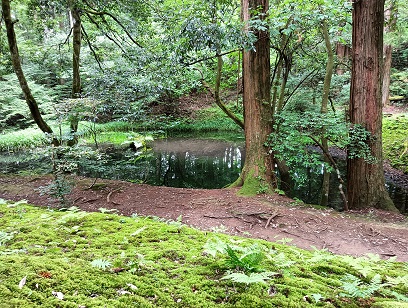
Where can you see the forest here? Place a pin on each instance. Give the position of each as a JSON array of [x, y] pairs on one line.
[[195, 153]]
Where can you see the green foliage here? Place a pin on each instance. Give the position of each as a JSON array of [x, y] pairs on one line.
[[249, 261], [354, 287], [5, 237], [58, 189], [398, 84], [13, 108], [22, 139], [395, 141], [291, 141], [358, 147]]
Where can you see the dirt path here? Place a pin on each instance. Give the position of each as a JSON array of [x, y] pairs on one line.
[[267, 217]]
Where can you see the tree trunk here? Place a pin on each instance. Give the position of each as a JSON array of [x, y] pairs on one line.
[[365, 181], [15, 57], [387, 75], [343, 57], [390, 19], [76, 78], [324, 199], [258, 172]]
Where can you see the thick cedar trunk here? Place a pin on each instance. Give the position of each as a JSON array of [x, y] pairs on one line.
[[76, 78], [365, 181], [31, 102], [258, 172]]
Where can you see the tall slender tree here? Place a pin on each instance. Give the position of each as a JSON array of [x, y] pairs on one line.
[[365, 179], [75, 16], [258, 171], [15, 57]]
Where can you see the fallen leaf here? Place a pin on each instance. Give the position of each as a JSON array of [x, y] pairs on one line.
[[58, 295], [123, 292], [22, 282], [132, 286]]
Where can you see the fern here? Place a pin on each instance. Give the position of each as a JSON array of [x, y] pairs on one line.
[[101, 264], [403, 280], [248, 262], [396, 295], [251, 278], [214, 246], [356, 288], [280, 260], [5, 237]]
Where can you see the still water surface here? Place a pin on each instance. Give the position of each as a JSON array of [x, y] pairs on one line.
[[190, 163]]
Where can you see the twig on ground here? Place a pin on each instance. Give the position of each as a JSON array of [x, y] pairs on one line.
[[270, 219], [110, 194]]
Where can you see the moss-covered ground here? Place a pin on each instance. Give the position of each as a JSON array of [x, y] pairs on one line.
[[70, 258], [395, 141]]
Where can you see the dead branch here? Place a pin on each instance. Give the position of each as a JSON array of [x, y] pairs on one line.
[[219, 217], [270, 219], [92, 185], [110, 194]]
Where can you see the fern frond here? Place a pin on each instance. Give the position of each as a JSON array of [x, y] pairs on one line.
[[213, 246], [101, 264], [356, 288], [393, 281]]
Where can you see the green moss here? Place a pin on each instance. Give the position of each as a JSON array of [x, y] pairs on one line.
[[395, 141], [254, 185], [154, 264], [389, 304]]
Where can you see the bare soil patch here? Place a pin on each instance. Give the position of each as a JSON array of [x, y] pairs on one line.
[[269, 217]]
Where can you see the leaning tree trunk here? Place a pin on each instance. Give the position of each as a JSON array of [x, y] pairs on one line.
[[15, 57], [365, 180], [258, 172], [76, 78]]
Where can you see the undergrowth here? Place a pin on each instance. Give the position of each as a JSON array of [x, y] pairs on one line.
[[395, 142], [70, 258]]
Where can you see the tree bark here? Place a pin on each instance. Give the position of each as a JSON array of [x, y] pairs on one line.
[[365, 181], [76, 78], [257, 175], [324, 199], [15, 57], [390, 19], [387, 75], [343, 57]]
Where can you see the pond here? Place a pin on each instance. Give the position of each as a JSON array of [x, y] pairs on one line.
[[189, 163]]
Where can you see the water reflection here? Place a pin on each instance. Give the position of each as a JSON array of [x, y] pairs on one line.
[[191, 163]]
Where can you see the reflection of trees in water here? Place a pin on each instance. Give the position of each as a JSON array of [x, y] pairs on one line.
[[186, 169], [399, 196], [310, 191]]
